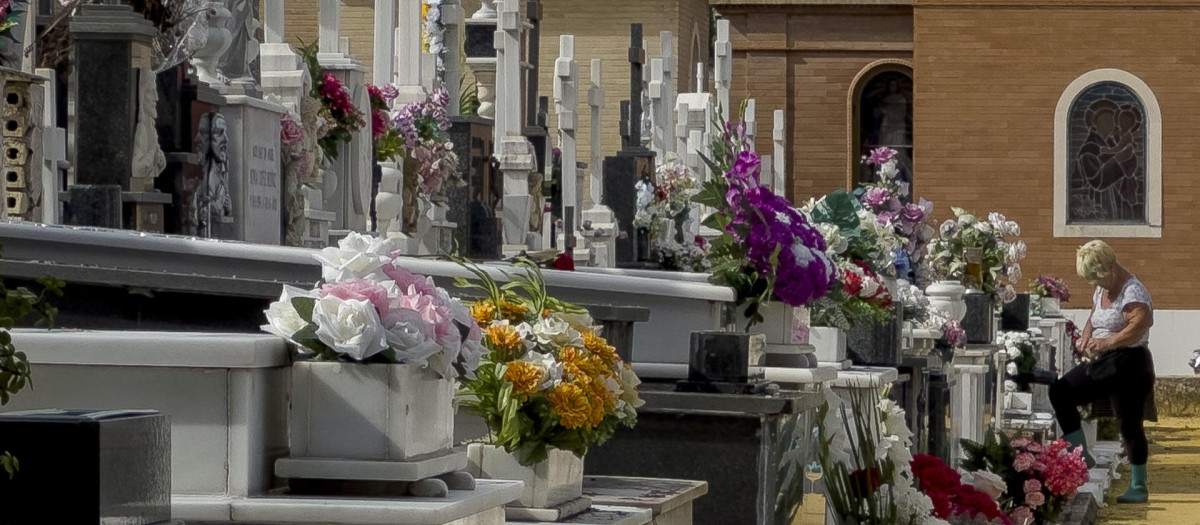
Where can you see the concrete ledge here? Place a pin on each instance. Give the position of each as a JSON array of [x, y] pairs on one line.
[[152, 349]]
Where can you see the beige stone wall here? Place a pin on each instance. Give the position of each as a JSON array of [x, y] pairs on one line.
[[989, 79], [804, 60]]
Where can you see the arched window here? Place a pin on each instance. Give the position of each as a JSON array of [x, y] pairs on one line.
[[882, 102], [1108, 180]]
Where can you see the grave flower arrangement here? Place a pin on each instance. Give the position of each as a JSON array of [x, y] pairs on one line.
[[342, 117], [548, 378], [388, 145], [666, 200], [954, 501], [1022, 360], [1039, 479], [682, 257], [767, 249], [8, 19], [424, 126], [864, 251], [1047, 286], [886, 199], [980, 253], [864, 450], [370, 309]]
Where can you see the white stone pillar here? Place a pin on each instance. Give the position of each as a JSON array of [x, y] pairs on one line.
[[273, 22], [778, 156], [516, 158], [54, 149], [596, 163], [282, 73], [408, 52], [508, 72], [566, 99], [751, 122], [329, 31], [452, 19], [666, 42], [658, 110], [723, 66], [382, 64]]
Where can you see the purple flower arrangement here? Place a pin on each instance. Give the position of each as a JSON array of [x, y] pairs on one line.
[[387, 145], [768, 249], [423, 125]]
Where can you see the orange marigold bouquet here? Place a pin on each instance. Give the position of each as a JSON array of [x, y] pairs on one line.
[[548, 379]]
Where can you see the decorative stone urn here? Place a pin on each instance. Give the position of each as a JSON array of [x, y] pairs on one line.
[[208, 57], [947, 297]]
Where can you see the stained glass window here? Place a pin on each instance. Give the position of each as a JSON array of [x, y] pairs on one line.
[[885, 119], [1106, 156]]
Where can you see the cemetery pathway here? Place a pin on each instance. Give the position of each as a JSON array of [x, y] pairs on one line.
[[1174, 476]]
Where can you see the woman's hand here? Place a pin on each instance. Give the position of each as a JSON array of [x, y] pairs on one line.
[[1095, 347]]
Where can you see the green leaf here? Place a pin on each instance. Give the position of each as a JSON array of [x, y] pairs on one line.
[[304, 307], [840, 209]]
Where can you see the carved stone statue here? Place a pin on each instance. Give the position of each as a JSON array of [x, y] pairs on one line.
[[239, 62], [148, 158], [207, 59], [213, 203]]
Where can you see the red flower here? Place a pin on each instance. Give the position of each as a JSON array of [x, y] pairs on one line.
[[864, 482], [565, 262]]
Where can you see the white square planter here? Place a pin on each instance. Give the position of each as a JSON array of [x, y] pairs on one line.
[[550, 483], [829, 342], [780, 321], [380, 412]]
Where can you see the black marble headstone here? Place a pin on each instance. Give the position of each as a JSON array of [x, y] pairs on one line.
[[97, 205], [876, 344], [480, 41], [472, 205], [719, 357], [105, 112], [1015, 315], [979, 319], [621, 173]]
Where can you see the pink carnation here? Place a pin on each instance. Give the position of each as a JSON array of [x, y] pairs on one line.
[[360, 290], [1035, 499], [1033, 485], [1022, 516], [1024, 462]]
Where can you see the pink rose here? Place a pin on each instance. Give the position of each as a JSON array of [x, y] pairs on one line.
[[408, 282], [290, 131], [876, 197], [913, 213], [359, 290]]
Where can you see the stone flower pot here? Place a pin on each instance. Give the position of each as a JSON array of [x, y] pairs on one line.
[[947, 297], [372, 412], [552, 482], [829, 342], [1051, 307]]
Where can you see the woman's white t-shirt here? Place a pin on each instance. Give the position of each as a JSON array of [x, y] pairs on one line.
[[1107, 322]]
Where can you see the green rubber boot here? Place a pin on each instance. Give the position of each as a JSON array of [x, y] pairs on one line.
[[1137, 493], [1076, 439]]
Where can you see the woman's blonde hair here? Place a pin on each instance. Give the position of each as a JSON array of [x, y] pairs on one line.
[[1094, 261]]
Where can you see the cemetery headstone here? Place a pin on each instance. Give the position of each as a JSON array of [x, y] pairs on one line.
[[723, 66], [779, 158], [599, 224], [478, 230], [633, 162]]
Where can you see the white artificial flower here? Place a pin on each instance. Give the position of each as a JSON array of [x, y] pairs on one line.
[[282, 318], [350, 327], [888, 170], [556, 332], [1014, 273], [1010, 386], [834, 242], [966, 220], [948, 227], [1013, 351], [629, 383], [356, 256], [1007, 293], [1011, 368], [1012, 228], [989, 483], [984, 227], [410, 337], [996, 219], [552, 371], [1017, 251]]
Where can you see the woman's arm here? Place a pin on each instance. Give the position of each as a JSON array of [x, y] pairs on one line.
[[1138, 318]]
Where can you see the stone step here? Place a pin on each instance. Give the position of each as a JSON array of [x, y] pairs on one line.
[[601, 515]]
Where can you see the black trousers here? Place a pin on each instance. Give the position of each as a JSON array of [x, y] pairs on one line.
[[1128, 389]]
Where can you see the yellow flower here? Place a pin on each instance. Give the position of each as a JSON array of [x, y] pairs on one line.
[[569, 401], [524, 376], [575, 364], [483, 312], [601, 400], [599, 347], [504, 338], [514, 312]]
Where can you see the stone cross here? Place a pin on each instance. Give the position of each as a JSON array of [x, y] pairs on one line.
[[658, 110], [329, 33], [647, 120], [566, 99], [751, 122], [723, 66], [452, 19], [667, 125], [596, 103], [273, 22], [533, 12], [508, 72], [54, 149], [637, 58], [408, 43], [383, 63], [778, 135]]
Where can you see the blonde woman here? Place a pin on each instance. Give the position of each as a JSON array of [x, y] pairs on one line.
[[1116, 337]]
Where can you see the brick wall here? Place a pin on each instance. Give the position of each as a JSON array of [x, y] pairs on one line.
[[988, 81], [357, 24], [804, 60]]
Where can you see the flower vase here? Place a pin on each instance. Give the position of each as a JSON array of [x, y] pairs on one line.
[[1051, 307], [412, 194], [556, 480], [369, 412], [973, 275], [947, 297], [487, 10]]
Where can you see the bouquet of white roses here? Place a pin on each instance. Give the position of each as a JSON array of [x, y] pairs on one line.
[[370, 309]]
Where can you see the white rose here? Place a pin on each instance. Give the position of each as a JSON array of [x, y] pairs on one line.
[[356, 256], [282, 318], [410, 336], [990, 484], [984, 227], [1011, 368], [629, 383], [888, 170], [996, 218], [1013, 351], [1012, 228], [552, 371], [1008, 294], [583, 321], [349, 327], [557, 332]]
